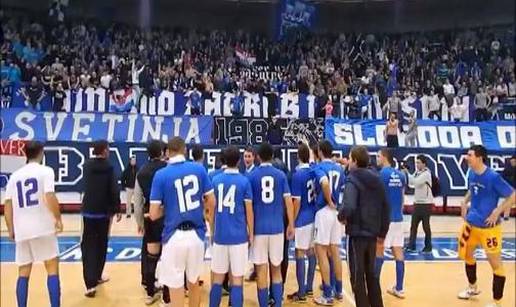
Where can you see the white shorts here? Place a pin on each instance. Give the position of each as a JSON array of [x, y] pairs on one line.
[[36, 250], [268, 247], [327, 228], [184, 252], [395, 236], [305, 237], [225, 257]]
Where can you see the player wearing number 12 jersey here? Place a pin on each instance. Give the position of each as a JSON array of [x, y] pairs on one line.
[[33, 218], [233, 229], [180, 191], [271, 196]]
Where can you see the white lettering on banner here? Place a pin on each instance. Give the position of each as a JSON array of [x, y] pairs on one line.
[[226, 104], [130, 130], [95, 99], [380, 137], [177, 126], [213, 106], [343, 134], [78, 129], [311, 105], [166, 103], [449, 137], [427, 136], [193, 131], [150, 132], [506, 136], [20, 123], [51, 132], [254, 106], [470, 135], [111, 119], [359, 138], [289, 105], [147, 105]]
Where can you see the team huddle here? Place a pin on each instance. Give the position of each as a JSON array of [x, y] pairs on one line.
[[250, 216]]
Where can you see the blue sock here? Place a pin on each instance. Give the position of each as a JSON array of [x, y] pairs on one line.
[[215, 295], [333, 279], [378, 266], [300, 275], [327, 291], [237, 296], [338, 286], [263, 297], [312, 262], [54, 290], [22, 291], [277, 294], [400, 274]]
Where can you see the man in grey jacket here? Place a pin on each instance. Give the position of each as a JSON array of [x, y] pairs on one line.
[[421, 180]]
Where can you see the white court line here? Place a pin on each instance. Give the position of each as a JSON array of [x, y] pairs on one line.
[[348, 297], [69, 249]]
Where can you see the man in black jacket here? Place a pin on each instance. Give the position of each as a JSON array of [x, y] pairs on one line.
[[365, 211], [100, 202], [128, 179]]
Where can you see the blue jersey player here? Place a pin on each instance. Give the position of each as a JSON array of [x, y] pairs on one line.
[[303, 199], [482, 222], [328, 230], [233, 229], [271, 196], [180, 191], [394, 182]]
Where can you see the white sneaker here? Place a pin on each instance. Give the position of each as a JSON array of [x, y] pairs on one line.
[[468, 293], [494, 304], [323, 301], [396, 293], [149, 300]]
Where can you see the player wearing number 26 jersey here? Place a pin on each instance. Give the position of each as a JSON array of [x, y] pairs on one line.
[[183, 189]]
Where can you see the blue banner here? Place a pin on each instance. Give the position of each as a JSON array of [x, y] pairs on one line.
[[494, 135], [86, 127]]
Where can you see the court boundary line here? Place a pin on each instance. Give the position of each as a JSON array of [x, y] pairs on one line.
[[69, 249]]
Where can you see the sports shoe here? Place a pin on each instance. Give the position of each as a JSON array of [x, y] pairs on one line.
[[90, 292], [338, 296], [309, 293], [296, 298], [149, 300], [494, 304], [468, 293], [396, 293], [410, 250], [323, 301], [426, 250], [103, 279]]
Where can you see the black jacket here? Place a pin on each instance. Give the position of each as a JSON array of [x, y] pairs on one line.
[[145, 177], [101, 193], [129, 177], [365, 208]]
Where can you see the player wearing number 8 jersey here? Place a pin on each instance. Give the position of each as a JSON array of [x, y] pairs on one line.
[[180, 191], [233, 229], [33, 218], [271, 196], [482, 222]]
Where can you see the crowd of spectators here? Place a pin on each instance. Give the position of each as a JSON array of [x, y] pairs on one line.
[[438, 67]]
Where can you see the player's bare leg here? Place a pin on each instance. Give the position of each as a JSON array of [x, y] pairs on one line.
[[22, 286], [194, 294], [177, 297], [498, 277]]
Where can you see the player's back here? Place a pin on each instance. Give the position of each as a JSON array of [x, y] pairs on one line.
[[269, 186], [180, 186], [303, 187], [394, 182], [336, 177], [231, 191], [26, 188]]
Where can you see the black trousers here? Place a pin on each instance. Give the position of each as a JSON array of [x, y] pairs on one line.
[[421, 213], [94, 249], [432, 114], [481, 115], [143, 260], [392, 141], [361, 261]]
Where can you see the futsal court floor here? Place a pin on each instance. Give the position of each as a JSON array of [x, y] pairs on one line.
[[430, 280]]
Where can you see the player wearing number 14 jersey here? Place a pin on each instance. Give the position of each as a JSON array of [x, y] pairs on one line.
[[181, 191], [271, 196]]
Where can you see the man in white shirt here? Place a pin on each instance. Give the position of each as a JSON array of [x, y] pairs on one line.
[[434, 106], [105, 80], [457, 110], [32, 217], [449, 92]]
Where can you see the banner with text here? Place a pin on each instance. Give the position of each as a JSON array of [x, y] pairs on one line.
[[499, 135], [86, 127]]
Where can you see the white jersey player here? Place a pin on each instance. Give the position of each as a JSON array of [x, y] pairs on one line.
[[33, 219]]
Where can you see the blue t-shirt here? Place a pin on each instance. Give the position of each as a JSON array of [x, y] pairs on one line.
[[334, 173], [394, 183], [270, 186], [180, 187], [486, 189], [303, 187], [232, 189]]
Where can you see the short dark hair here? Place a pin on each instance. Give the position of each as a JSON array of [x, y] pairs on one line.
[[33, 149], [197, 152], [480, 151], [315, 150], [326, 148], [303, 153], [251, 150], [422, 158], [265, 152], [360, 155], [231, 155], [154, 149], [176, 144], [387, 153], [99, 146]]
